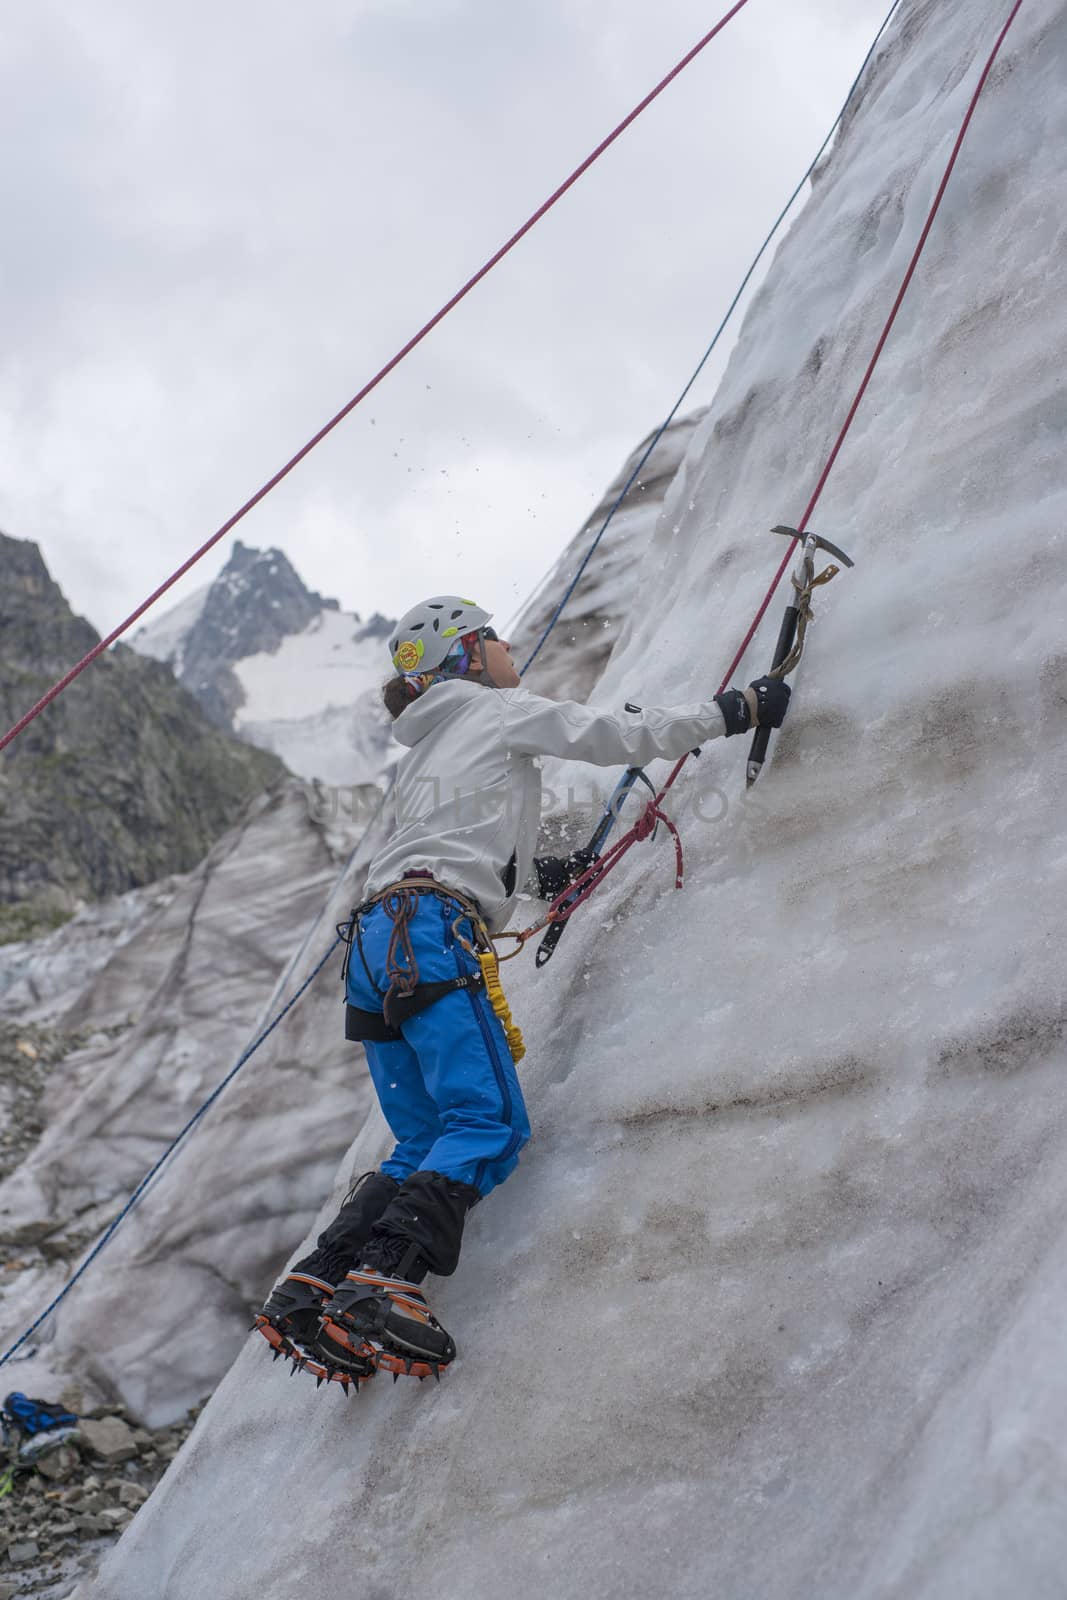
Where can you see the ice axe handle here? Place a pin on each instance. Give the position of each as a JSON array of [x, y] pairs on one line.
[[757, 755]]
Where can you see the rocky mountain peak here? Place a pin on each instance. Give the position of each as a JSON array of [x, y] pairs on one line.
[[257, 600], [25, 574], [282, 666], [39, 633], [123, 778], [376, 627]]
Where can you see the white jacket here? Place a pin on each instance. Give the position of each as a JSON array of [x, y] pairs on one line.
[[468, 797]]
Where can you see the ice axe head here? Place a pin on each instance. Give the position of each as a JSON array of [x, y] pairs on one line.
[[820, 543]]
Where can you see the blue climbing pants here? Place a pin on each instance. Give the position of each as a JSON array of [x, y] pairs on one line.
[[448, 1087]]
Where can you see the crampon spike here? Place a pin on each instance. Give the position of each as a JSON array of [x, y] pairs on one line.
[[396, 1377], [276, 1355], [320, 1380]]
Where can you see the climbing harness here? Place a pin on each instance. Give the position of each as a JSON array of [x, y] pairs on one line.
[[407, 995], [793, 632]]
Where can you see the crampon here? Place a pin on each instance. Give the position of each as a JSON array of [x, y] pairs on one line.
[[289, 1323], [387, 1321]]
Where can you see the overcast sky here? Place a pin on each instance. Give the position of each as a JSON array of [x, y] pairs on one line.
[[221, 218]]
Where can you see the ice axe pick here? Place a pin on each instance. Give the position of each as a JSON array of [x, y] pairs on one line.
[[790, 646]]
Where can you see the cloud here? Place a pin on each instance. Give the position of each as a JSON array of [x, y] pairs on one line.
[[223, 219]]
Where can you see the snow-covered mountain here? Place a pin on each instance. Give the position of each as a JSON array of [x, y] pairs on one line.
[[283, 667], [773, 1305], [290, 671], [316, 701]]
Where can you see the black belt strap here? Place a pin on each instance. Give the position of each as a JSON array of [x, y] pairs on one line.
[[371, 1026]]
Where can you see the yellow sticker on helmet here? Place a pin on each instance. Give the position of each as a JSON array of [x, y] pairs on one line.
[[468, 602], [449, 633], [408, 655]]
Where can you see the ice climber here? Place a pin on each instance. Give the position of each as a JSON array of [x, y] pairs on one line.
[[468, 799]]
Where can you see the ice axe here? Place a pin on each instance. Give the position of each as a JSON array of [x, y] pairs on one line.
[[596, 844], [790, 646]]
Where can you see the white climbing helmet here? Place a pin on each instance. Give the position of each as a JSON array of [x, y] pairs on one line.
[[427, 633]]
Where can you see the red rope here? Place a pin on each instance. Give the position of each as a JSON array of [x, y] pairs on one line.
[[588, 880], [612, 857], [283, 472]]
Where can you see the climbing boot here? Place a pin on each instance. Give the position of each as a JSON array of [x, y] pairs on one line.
[[289, 1319], [385, 1321], [380, 1313]]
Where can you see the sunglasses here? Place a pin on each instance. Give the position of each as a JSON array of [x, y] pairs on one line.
[[491, 634]]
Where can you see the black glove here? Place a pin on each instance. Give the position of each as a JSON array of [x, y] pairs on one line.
[[762, 705], [557, 873], [772, 701]]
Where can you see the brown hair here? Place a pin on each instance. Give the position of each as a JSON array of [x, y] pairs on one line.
[[397, 692], [396, 695]]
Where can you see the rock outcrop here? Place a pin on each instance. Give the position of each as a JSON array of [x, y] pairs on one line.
[[257, 600], [122, 779]]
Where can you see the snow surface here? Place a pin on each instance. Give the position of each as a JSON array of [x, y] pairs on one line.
[[328, 664], [316, 701], [164, 637], [774, 1304]]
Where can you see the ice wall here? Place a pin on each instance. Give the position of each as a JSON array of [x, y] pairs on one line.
[[774, 1304], [170, 983]]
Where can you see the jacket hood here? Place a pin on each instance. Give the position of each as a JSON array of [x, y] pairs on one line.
[[439, 702]]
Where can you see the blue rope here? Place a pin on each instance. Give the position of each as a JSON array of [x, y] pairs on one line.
[[661, 430], [155, 1170]]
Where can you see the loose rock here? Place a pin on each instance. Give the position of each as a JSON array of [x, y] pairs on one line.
[[66, 1526], [22, 1553], [58, 1465], [115, 1517], [72, 1398], [87, 1505], [110, 1438]]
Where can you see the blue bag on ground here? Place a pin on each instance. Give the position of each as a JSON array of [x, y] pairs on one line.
[[35, 1416]]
